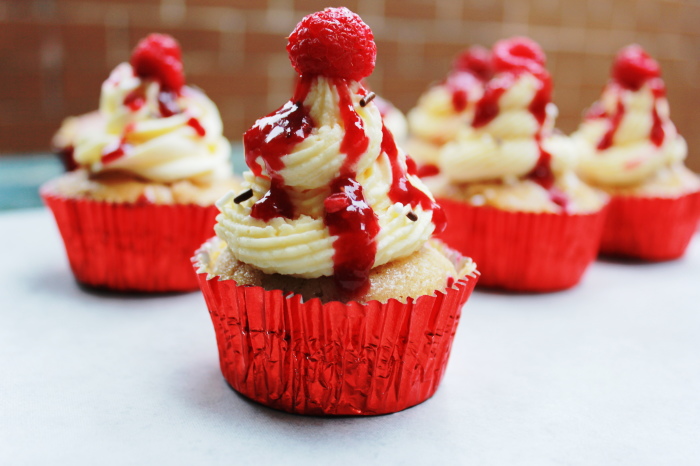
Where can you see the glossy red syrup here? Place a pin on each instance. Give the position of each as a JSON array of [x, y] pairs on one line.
[[135, 99], [459, 83], [459, 100], [275, 203], [115, 152], [607, 140], [351, 219], [401, 189], [270, 139], [427, 170], [538, 106], [487, 107], [194, 123], [542, 173], [657, 134], [657, 130], [355, 141]]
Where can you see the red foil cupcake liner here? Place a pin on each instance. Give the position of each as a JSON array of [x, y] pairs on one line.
[[131, 247], [650, 228], [334, 358], [523, 251]]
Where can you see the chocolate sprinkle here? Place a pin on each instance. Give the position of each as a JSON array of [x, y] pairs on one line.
[[244, 196], [412, 216], [367, 99]]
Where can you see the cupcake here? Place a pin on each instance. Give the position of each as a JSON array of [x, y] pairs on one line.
[[150, 165], [508, 185], [446, 107], [326, 292], [632, 150]]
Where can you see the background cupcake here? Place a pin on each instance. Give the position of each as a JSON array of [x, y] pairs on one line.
[[151, 164], [632, 150], [326, 254], [508, 186]]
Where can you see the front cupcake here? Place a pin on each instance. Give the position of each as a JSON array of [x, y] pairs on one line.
[[632, 150], [511, 196], [150, 166], [326, 293]]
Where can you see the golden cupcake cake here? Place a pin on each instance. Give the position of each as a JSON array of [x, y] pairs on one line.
[[508, 185], [326, 255], [632, 150], [149, 166]]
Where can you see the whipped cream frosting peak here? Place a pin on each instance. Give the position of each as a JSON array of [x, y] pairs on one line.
[[154, 133], [331, 194], [627, 137]]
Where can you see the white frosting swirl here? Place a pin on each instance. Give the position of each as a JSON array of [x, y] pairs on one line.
[[303, 246], [506, 146], [156, 148], [632, 158]]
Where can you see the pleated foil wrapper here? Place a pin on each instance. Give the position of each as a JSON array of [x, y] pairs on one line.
[[650, 228], [335, 358], [523, 251], [131, 247]]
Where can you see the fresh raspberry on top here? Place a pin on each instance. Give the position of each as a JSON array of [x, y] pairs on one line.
[[334, 42], [518, 53], [475, 60], [633, 67], [158, 57]]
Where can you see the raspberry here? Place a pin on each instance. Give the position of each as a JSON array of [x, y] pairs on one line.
[[158, 57], [633, 67], [518, 53], [334, 42], [476, 60]]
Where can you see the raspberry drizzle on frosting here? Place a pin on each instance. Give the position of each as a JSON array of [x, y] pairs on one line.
[[355, 141], [352, 220], [270, 139], [401, 189]]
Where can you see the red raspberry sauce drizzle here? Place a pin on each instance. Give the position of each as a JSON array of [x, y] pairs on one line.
[[355, 141], [459, 83], [401, 189], [347, 214], [113, 153], [352, 220], [199, 129], [270, 139]]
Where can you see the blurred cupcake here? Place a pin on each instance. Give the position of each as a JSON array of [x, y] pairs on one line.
[[326, 294], [510, 193], [632, 150], [446, 107], [151, 164]]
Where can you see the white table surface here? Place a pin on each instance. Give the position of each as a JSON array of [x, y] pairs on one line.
[[605, 374]]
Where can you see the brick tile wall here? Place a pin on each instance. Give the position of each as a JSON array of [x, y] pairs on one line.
[[54, 54]]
